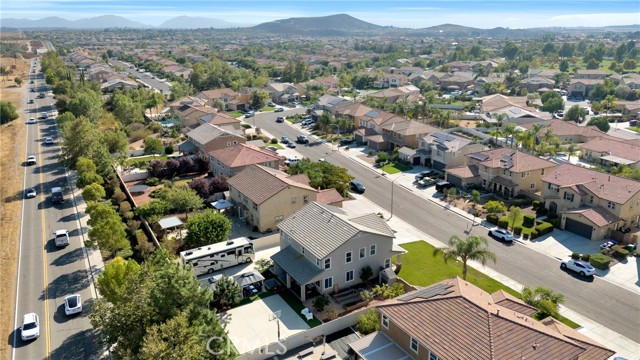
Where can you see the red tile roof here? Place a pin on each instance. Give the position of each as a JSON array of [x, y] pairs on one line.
[[512, 160], [243, 155], [598, 215], [625, 149], [567, 128], [329, 196], [260, 183]]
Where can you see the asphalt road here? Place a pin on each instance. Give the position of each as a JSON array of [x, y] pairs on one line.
[[610, 305], [47, 274], [146, 78]]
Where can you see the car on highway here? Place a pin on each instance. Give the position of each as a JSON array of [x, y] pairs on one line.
[[280, 119], [31, 160], [579, 266], [72, 304], [278, 109], [30, 329], [357, 186], [284, 140], [31, 82], [61, 238], [291, 145], [33, 90], [501, 234], [48, 141], [30, 101], [31, 121], [30, 193]]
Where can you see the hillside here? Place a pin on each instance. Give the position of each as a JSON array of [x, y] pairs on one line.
[[192, 22], [341, 24], [99, 22]]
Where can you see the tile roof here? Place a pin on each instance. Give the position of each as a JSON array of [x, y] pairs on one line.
[[464, 172], [329, 196], [513, 160], [410, 127], [616, 147], [598, 215], [207, 132], [222, 119], [447, 142], [594, 350], [511, 302], [495, 102], [260, 183], [243, 155], [322, 228], [603, 185], [296, 265], [217, 93], [354, 109], [477, 327], [567, 128]]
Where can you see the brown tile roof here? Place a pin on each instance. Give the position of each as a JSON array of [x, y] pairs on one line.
[[598, 215], [511, 302], [510, 159], [586, 81], [477, 327], [223, 119], [594, 350], [410, 127], [260, 183], [353, 109], [605, 186], [495, 102], [566, 128], [617, 147], [329, 196], [217, 93], [380, 117], [463, 172], [243, 155], [365, 131]]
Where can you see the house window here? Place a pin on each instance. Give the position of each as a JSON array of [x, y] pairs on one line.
[[591, 200], [372, 250], [387, 263], [305, 199], [434, 356], [255, 206], [278, 218], [349, 276], [328, 283], [484, 182], [568, 196], [542, 172], [611, 205], [302, 247], [385, 321], [532, 186], [414, 344], [317, 262], [327, 263], [363, 253], [293, 199], [347, 257]]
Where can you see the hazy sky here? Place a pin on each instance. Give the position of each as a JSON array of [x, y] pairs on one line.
[[401, 13]]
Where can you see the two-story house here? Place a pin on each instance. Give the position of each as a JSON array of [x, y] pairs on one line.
[[455, 319], [265, 196], [224, 94], [456, 81], [535, 84], [282, 93], [409, 93], [405, 134], [391, 81], [223, 121], [591, 203], [498, 102], [503, 171], [581, 88], [591, 74], [207, 137], [325, 248], [369, 130], [330, 102], [566, 131], [352, 111], [231, 160], [442, 150], [610, 151], [543, 73]]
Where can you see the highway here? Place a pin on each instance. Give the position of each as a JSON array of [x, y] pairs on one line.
[[608, 304], [47, 274]]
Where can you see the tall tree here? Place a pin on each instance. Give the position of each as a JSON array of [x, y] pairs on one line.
[[8, 112], [184, 200], [112, 282], [93, 192], [207, 227], [86, 103], [227, 292], [473, 248]]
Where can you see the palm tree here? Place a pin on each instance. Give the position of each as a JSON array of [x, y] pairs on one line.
[[509, 130], [527, 139], [571, 150], [473, 248], [543, 299], [500, 118]]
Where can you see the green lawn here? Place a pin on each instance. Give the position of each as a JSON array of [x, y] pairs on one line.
[[251, 299], [525, 230], [236, 114], [297, 307], [147, 158], [634, 128], [268, 108], [421, 267], [394, 168]]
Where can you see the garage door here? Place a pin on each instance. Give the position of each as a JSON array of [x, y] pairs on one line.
[[438, 166], [578, 228], [455, 180]]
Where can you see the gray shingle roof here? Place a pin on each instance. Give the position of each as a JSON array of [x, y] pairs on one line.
[[207, 132], [322, 228], [296, 265]]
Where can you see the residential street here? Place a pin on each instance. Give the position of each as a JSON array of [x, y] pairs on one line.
[[610, 305]]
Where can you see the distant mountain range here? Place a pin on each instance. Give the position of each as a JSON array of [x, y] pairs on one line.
[[333, 25]]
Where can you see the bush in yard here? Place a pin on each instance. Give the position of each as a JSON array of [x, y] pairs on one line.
[[600, 261], [368, 322], [535, 204], [517, 230], [152, 181], [274, 140], [263, 264], [620, 252], [528, 221], [366, 273], [555, 222], [534, 234], [366, 296], [585, 257], [227, 292], [320, 302], [525, 236], [575, 256], [124, 207], [168, 149], [495, 207], [542, 211], [503, 223], [118, 197], [492, 218], [544, 228]]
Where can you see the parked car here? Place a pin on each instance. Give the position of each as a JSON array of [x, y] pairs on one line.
[[423, 174], [345, 142], [272, 148], [284, 140], [443, 186], [72, 304], [307, 121], [291, 145], [271, 103], [357, 186], [280, 119], [30, 329], [278, 109], [581, 267], [301, 139], [249, 114], [426, 182], [291, 161], [31, 193], [501, 234]]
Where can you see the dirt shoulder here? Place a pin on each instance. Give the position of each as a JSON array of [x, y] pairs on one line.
[[12, 144]]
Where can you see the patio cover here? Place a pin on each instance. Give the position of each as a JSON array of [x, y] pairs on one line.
[[222, 204], [170, 222], [249, 278], [617, 160], [296, 265], [378, 346]]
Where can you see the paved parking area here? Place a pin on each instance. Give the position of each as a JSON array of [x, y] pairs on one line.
[[250, 326]]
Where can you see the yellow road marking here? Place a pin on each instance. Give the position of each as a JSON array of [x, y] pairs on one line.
[[44, 253]]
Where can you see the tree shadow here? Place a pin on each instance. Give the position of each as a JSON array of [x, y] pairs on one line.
[[83, 345], [66, 284], [68, 218], [78, 232], [69, 257], [17, 196]]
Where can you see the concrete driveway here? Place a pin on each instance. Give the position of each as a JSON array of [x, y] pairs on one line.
[[250, 326]]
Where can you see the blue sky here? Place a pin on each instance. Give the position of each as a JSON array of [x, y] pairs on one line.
[[402, 13]]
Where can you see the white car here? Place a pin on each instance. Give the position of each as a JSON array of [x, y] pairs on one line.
[[30, 329], [31, 121], [291, 161], [501, 234], [62, 238], [31, 193], [72, 304], [48, 141], [581, 267], [32, 160]]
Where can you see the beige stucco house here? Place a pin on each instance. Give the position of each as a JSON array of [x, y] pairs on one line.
[[207, 137], [231, 160], [443, 150]]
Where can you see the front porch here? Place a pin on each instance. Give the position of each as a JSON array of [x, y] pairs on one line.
[[297, 273]]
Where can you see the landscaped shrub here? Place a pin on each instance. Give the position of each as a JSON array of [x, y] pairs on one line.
[[129, 215], [493, 219], [152, 181], [555, 222], [274, 140], [542, 211], [600, 261], [168, 149], [575, 256], [525, 236], [535, 204], [118, 197], [517, 230], [585, 257], [619, 251], [320, 302], [503, 223], [534, 234], [528, 221], [245, 126], [544, 228]]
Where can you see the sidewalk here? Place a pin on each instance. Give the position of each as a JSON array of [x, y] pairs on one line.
[[406, 233]]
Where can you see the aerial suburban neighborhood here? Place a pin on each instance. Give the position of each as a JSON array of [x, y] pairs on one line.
[[319, 187]]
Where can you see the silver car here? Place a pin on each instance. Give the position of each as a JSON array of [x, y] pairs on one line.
[[72, 304], [501, 234], [579, 266]]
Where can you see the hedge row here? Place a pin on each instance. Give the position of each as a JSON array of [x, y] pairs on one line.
[[528, 221], [600, 261], [493, 219]]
